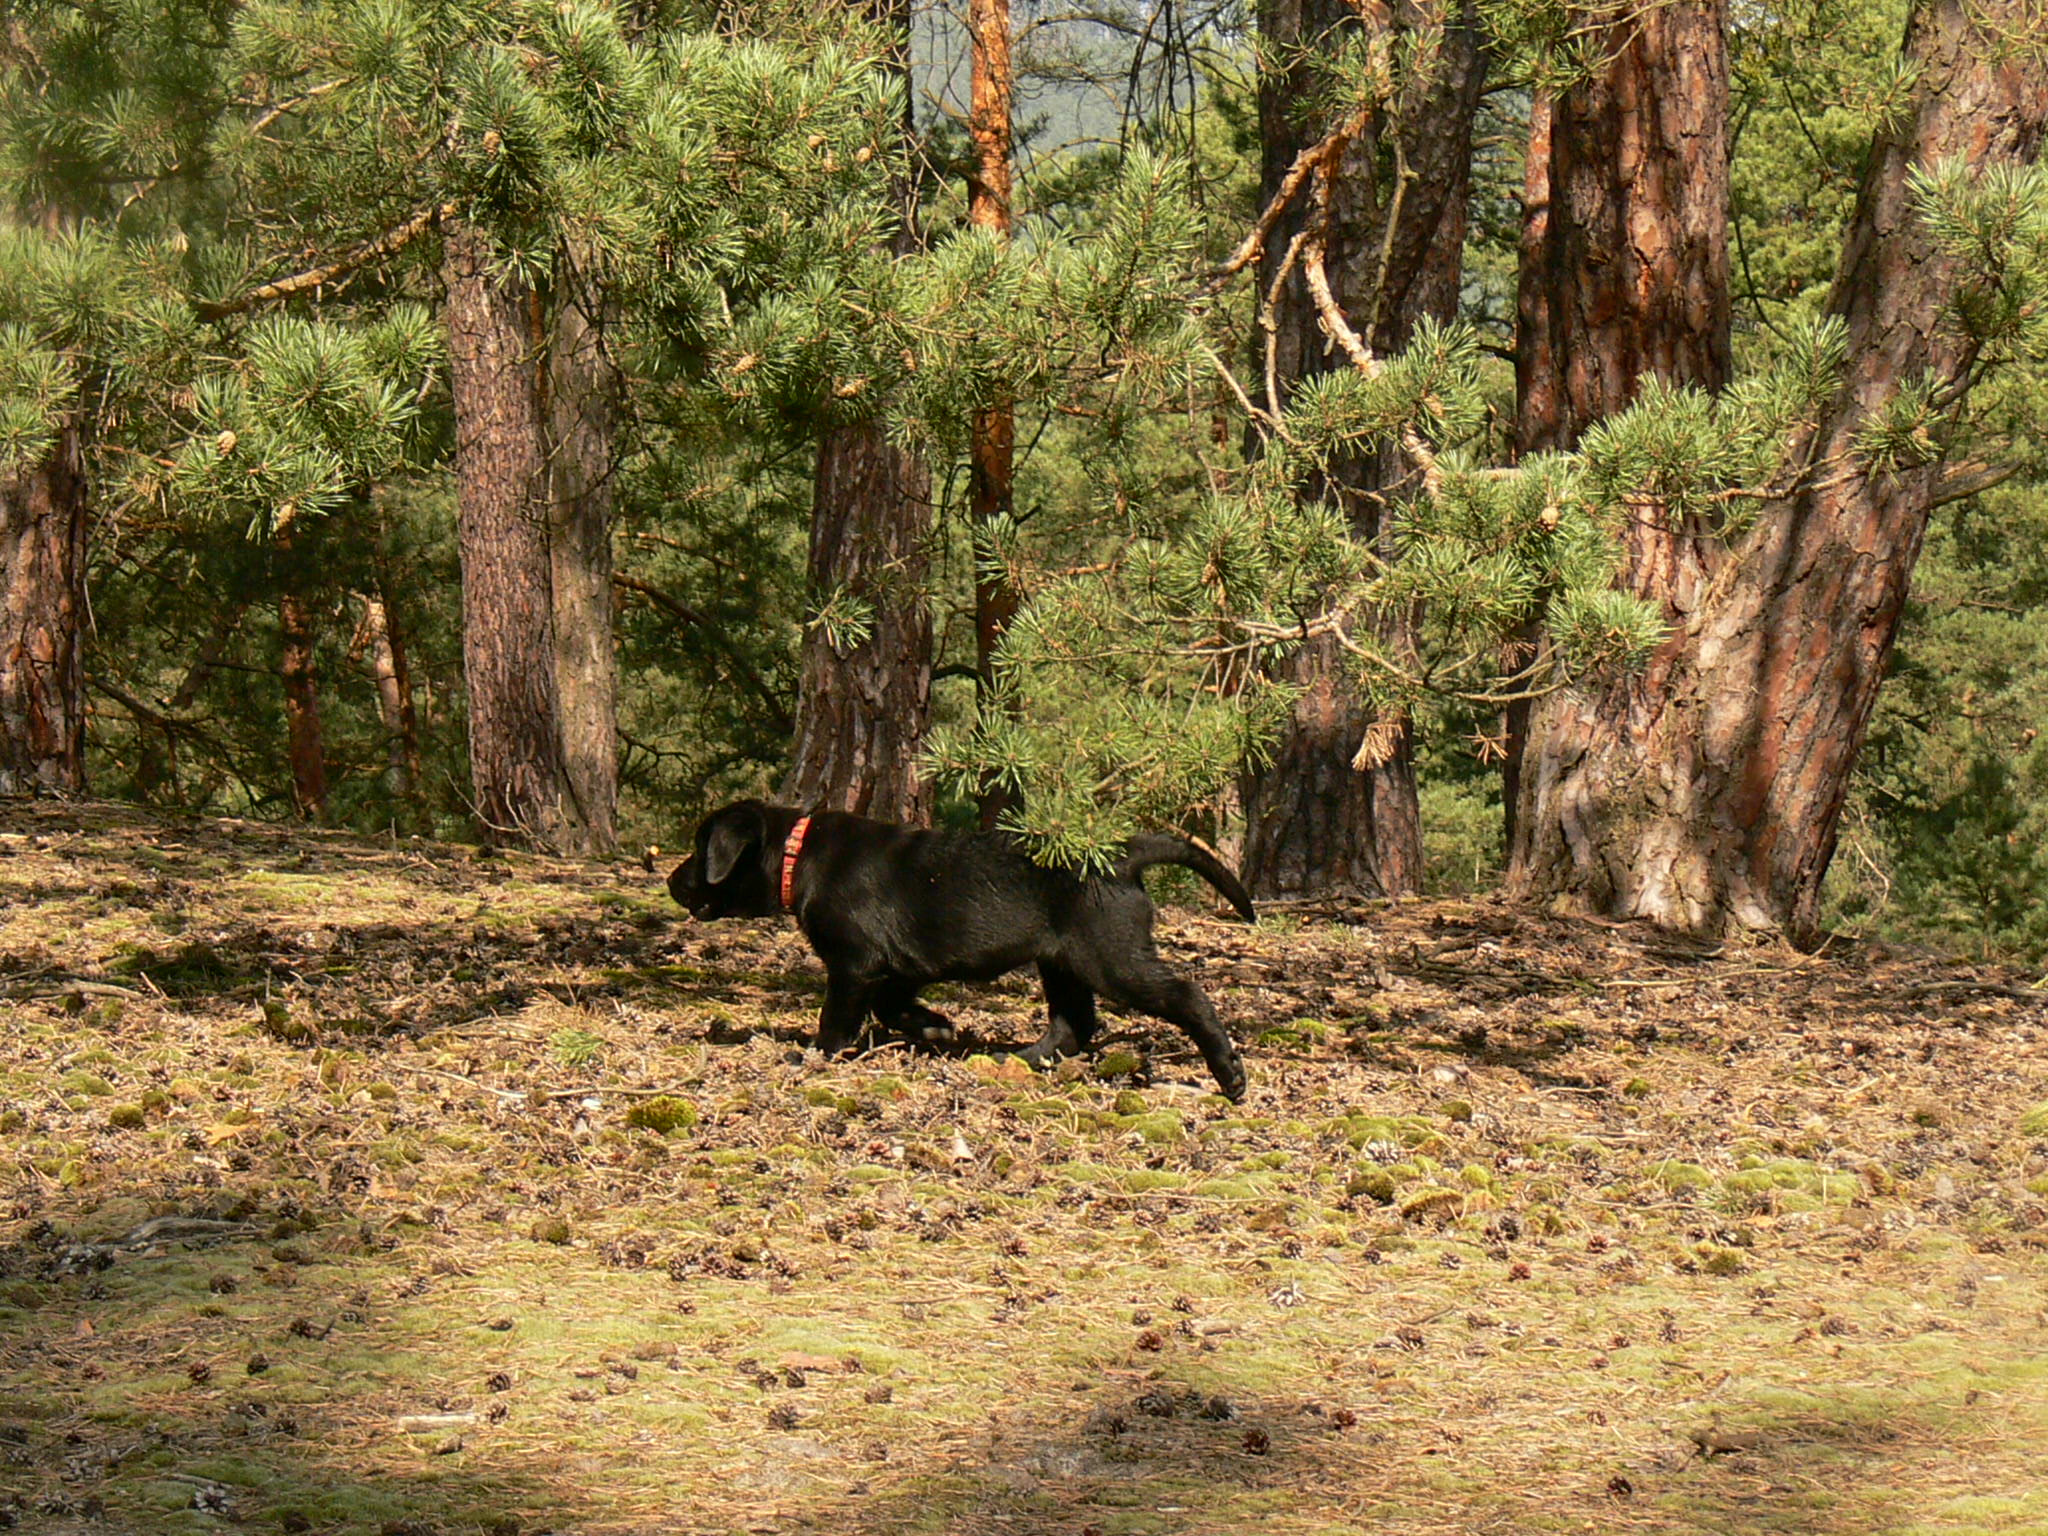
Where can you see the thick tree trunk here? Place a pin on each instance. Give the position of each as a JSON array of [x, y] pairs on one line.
[[1624, 250], [1624, 269], [298, 665], [1317, 826], [42, 613], [992, 441], [861, 712], [1706, 793], [520, 782], [1314, 824], [583, 389]]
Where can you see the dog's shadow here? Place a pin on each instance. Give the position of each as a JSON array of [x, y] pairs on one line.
[[744, 992], [964, 1041], [799, 1032]]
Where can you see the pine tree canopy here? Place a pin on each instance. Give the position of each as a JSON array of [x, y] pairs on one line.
[[1255, 476]]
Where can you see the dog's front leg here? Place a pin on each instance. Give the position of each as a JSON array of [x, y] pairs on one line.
[[847, 1000]]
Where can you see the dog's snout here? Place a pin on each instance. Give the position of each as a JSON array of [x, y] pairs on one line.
[[682, 883]]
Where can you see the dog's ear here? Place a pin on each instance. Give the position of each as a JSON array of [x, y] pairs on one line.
[[734, 831]]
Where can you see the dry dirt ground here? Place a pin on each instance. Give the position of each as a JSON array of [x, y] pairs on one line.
[[371, 1188]]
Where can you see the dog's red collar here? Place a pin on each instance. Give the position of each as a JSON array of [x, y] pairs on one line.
[[791, 847]]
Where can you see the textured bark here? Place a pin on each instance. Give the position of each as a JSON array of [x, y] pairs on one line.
[[583, 389], [1316, 826], [1706, 794], [1624, 252], [42, 611], [298, 651], [520, 782], [1624, 268], [992, 439], [861, 714]]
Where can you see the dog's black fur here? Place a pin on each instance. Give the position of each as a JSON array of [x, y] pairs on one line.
[[890, 909]]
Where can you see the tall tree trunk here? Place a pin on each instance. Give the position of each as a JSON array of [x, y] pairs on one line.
[[42, 615], [1624, 250], [306, 748], [1537, 412], [992, 441], [521, 784], [583, 390], [862, 713], [1315, 825], [1705, 794], [1624, 270]]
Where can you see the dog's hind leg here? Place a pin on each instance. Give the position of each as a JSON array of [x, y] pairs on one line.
[[896, 1005], [847, 1002], [1069, 1016], [1147, 984]]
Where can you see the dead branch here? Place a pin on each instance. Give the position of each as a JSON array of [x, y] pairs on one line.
[[1308, 162], [353, 260]]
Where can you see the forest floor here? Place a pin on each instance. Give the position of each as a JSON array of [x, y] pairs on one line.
[[356, 1187]]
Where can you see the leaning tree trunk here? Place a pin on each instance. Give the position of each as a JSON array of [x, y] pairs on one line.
[[508, 629], [583, 389], [862, 711], [1624, 250], [1315, 825], [1706, 793], [42, 612], [394, 702]]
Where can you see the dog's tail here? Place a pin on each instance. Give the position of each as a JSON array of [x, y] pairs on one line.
[[1149, 848]]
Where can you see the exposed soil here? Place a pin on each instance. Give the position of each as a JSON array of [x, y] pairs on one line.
[[371, 1188]]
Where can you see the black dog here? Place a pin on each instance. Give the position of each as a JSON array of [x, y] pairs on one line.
[[890, 909]]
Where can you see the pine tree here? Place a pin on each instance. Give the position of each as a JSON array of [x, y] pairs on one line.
[[1624, 254], [575, 173], [91, 103], [1709, 794], [1137, 684], [992, 440], [1390, 109], [864, 690], [42, 598]]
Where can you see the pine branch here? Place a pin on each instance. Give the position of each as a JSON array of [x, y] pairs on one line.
[[150, 183], [1265, 419], [1970, 480]]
